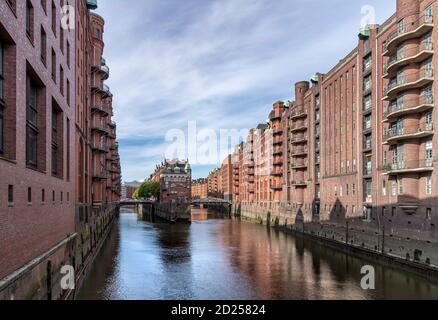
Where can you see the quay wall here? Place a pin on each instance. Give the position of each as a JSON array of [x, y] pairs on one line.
[[406, 248]]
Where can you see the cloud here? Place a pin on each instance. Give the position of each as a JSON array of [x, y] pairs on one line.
[[222, 63]]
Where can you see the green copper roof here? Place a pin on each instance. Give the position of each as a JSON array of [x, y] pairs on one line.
[[364, 32], [314, 78], [92, 4]]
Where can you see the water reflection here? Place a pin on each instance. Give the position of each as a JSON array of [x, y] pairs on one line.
[[217, 258]]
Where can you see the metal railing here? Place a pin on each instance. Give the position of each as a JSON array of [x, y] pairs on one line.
[[407, 130], [409, 165], [408, 53], [409, 78], [407, 28], [404, 104]]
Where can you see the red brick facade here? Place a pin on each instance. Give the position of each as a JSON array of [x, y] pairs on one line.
[[48, 194], [359, 141]]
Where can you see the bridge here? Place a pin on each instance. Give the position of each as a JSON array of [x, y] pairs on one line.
[[211, 202], [131, 202]]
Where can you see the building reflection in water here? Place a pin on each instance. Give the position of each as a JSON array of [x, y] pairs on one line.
[[219, 258]]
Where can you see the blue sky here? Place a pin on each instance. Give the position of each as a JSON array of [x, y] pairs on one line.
[[221, 63]]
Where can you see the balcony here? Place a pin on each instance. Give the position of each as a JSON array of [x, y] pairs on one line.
[[99, 127], [393, 136], [405, 57], [299, 152], [278, 152], [413, 30], [277, 173], [102, 175], [299, 127], [278, 141], [276, 187], [102, 89], [99, 109], [408, 106], [299, 112], [278, 162], [410, 81], [299, 165], [299, 183], [413, 166], [278, 131], [99, 148], [299, 139]]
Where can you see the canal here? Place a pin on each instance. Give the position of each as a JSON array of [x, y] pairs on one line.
[[217, 258]]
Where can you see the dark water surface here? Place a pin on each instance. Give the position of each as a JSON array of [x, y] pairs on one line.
[[217, 258]]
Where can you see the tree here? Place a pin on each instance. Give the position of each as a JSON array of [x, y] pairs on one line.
[[147, 189]]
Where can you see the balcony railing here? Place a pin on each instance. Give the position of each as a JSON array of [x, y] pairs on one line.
[[299, 139], [412, 55], [412, 30], [100, 127], [409, 81], [99, 109], [299, 152], [400, 167], [100, 147], [408, 132], [299, 183], [278, 140], [299, 165], [297, 128], [298, 112], [407, 106]]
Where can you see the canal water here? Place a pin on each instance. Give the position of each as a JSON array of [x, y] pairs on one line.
[[219, 258]]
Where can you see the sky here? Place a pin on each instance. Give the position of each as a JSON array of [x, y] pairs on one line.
[[220, 64]]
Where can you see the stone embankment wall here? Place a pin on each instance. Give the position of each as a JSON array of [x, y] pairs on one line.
[[407, 248]]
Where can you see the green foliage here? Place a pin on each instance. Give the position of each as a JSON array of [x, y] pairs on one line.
[[147, 189]]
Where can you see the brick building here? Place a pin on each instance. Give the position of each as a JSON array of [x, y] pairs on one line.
[[46, 191], [358, 143], [200, 189]]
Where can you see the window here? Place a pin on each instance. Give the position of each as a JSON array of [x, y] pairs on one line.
[[428, 185], [401, 188], [384, 188], [61, 38], [68, 54], [10, 194], [368, 188], [43, 46], [29, 195], [61, 80], [353, 189], [428, 94], [428, 68], [367, 104], [68, 92], [31, 124], [428, 13], [53, 196], [43, 195], [429, 213], [401, 26], [2, 119], [429, 121], [29, 20], [54, 18], [53, 65], [394, 187], [54, 142], [44, 5], [367, 122], [429, 153]]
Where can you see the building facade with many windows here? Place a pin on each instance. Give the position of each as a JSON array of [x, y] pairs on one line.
[[48, 213]]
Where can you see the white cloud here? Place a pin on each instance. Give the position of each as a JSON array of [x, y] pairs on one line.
[[222, 63]]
